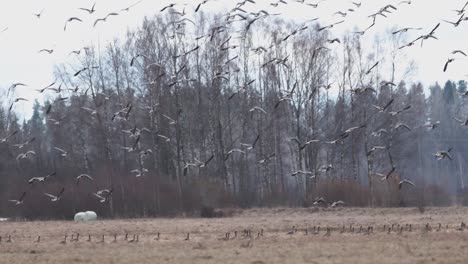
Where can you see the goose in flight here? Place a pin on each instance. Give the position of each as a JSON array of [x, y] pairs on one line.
[[372, 150], [266, 159], [379, 132], [447, 63], [400, 111], [405, 181], [41, 179], [83, 70], [251, 146], [371, 68], [459, 51], [128, 8], [257, 108], [338, 203], [382, 109], [462, 10], [386, 176], [432, 125], [101, 198], [104, 19], [200, 4], [457, 23], [91, 111], [55, 198], [132, 61], [70, 20], [440, 155], [50, 51], [5, 139], [25, 155], [13, 86], [22, 145], [405, 30], [90, 11], [105, 192], [232, 151], [38, 15], [430, 35], [330, 26], [83, 176], [402, 125], [170, 6], [139, 172], [462, 122], [20, 200], [303, 172], [63, 153]]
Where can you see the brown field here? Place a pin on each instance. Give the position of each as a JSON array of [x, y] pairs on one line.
[[275, 246]]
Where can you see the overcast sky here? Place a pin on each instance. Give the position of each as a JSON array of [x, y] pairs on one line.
[[25, 34]]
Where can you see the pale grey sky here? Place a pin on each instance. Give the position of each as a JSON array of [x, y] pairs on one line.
[[26, 34]]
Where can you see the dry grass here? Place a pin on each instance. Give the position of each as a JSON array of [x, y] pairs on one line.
[[204, 246]]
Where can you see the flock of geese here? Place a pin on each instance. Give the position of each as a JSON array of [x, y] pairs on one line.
[[237, 14], [249, 234]]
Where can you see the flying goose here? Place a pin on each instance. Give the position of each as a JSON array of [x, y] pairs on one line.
[[63, 153], [462, 10], [257, 108], [139, 172], [400, 111], [25, 155], [232, 151], [90, 11], [101, 198], [462, 122], [430, 35], [447, 63], [382, 109], [41, 179], [457, 23], [330, 25], [128, 8], [55, 198], [5, 139], [266, 159], [379, 132], [70, 20], [83, 176], [22, 145], [20, 200], [200, 4], [405, 181], [405, 30], [303, 172], [50, 51], [170, 6], [38, 15], [371, 68], [440, 155], [251, 146], [104, 19], [338, 203], [14, 85], [432, 125], [84, 69], [386, 176], [372, 150], [402, 125]]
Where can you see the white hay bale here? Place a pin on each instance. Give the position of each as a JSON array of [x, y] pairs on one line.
[[81, 216], [91, 215]]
